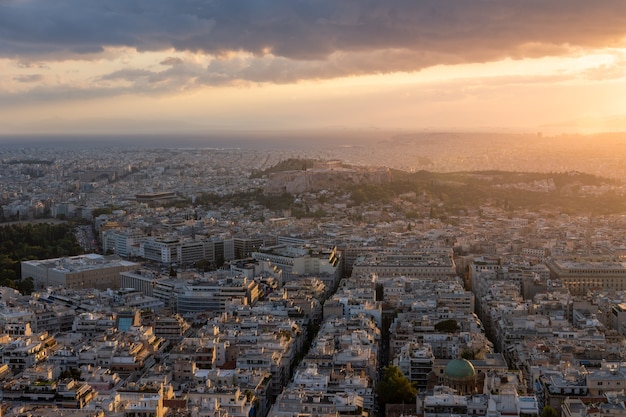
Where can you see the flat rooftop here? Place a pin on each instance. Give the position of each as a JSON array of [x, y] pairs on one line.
[[80, 263]]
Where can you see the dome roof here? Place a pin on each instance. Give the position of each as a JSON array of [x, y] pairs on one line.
[[460, 368]]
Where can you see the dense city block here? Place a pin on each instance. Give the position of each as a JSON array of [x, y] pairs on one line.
[[250, 283]]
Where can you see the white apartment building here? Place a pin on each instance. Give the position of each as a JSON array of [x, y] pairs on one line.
[[170, 250], [300, 261], [120, 241], [215, 295], [415, 360]]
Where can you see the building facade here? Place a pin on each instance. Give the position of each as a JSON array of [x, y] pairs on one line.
[[77, 272]]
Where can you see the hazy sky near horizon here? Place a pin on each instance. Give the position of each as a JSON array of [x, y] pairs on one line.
[[154, 65]]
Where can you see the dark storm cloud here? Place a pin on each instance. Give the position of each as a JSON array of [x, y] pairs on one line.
[[334, 37]]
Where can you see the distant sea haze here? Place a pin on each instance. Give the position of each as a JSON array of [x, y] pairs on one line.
[[597, 154], [129, 141], [230, 139]]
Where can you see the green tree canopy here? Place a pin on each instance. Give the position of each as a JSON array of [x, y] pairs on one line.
[[19, 242], [548, 411], [447, 326], [395, 388], [25, 286]]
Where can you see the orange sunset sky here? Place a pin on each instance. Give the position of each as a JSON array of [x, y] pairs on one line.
[[119, 66]]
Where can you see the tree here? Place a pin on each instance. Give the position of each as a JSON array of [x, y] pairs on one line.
[[548, 411], [468, 354], [204, 265], [100, 211], [395, 388], [447, 326], [73, 373], [25, 286]]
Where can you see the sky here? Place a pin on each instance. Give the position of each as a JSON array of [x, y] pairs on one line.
[[118, 66]]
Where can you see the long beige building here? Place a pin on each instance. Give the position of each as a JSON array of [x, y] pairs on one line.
[[581, 276], [83, 271], [411, 264]]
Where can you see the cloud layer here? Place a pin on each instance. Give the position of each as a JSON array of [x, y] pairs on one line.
[[418, 33], [93, 56]]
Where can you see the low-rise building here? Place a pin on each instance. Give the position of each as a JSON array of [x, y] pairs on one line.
[[83, 271]]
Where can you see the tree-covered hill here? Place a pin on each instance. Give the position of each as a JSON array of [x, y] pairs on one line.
[[20, 242], [454, 193], [292, 164], [569, 192]]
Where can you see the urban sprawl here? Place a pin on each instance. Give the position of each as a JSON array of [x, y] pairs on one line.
[[190, 302]]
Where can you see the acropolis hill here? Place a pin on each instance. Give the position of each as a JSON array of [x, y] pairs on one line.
[[330, 175]]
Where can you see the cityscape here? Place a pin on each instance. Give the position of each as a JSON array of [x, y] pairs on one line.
[[283, 281], [312, 208]]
